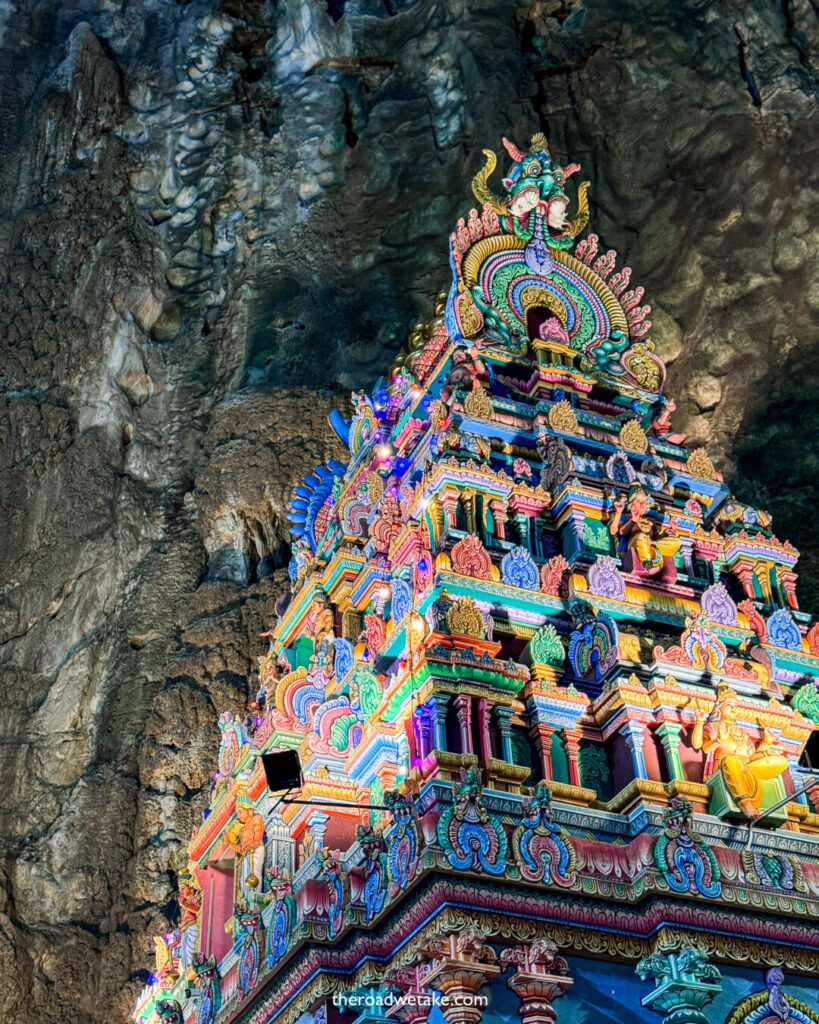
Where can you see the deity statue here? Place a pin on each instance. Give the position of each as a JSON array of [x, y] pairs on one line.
[[190, 900], [466, 366], [744, 765], [323, 630], [245, 836], [660, 413], [653, 545]]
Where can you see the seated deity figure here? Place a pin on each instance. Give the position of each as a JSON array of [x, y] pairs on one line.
[[744, 765], [653, 546], [245, 836]]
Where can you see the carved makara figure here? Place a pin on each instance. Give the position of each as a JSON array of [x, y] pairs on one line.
[[744, 764], [535, 204]]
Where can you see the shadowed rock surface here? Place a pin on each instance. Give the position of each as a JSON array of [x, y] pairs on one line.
[[215, 220]]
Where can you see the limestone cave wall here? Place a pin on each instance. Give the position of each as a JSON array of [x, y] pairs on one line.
[[216, 218]]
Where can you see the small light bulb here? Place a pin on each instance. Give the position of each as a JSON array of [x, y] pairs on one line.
[[385, 451]]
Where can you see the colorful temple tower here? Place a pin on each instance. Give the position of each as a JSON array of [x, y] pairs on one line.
[[548, 682]]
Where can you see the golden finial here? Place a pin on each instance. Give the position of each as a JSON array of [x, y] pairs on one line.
[[539, 143]]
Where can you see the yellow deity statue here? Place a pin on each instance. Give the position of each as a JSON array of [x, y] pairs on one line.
[[245, 835], [744, 765], [653, 545]]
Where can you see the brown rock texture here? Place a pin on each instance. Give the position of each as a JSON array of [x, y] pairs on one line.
[[218, 217]]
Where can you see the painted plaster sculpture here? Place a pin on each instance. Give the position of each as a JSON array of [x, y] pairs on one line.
[[542, 673], [743, 764]]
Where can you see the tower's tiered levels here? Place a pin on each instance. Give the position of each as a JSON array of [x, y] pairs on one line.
[[549, 684]]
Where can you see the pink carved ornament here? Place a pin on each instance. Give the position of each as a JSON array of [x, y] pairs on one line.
[[470, 558]]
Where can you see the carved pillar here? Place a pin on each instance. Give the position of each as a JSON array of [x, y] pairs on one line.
[[449, 505], [523, 525], [761, 571], [571, 742], [439, 703], [503, 716], [370, 1002], [787, 580], [463, 708], [317, 824], [686, 983], [462, 964], [498, 509], [484, 709], [669, 733], [576, 520], [423, 731], [542, 736], [541, 978], [468, 502], [634, 734], [687, 551], [745, 572], [415, 999]]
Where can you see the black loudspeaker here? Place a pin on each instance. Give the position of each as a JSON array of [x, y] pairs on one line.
[[283, 771]]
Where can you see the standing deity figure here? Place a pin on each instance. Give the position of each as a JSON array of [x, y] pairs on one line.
[[744, 765], [324, 634], [245, 836], [660, 414], [653, 545]]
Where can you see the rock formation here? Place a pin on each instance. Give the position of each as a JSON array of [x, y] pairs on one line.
[[217, 218]]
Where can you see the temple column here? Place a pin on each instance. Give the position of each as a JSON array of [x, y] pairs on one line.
[[686, 983], [423, 731], [687, 551], [634, 735], [449, 506], [787, 580], [439, 704], [371, 998], [503, 717], [669, 733], [317, 826], [523, 526], [745, 572], [415, 1001], [463, 709], [541, 978], [542, 737], [761, 571], [571, 742], [484, 709], [498, 509], [462, 964], [576, 520], [795, 771]]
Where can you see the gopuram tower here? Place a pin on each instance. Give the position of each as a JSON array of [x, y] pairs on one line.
[[547, 688]]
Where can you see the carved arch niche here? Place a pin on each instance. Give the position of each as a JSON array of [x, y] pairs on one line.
[[772, 1006]]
